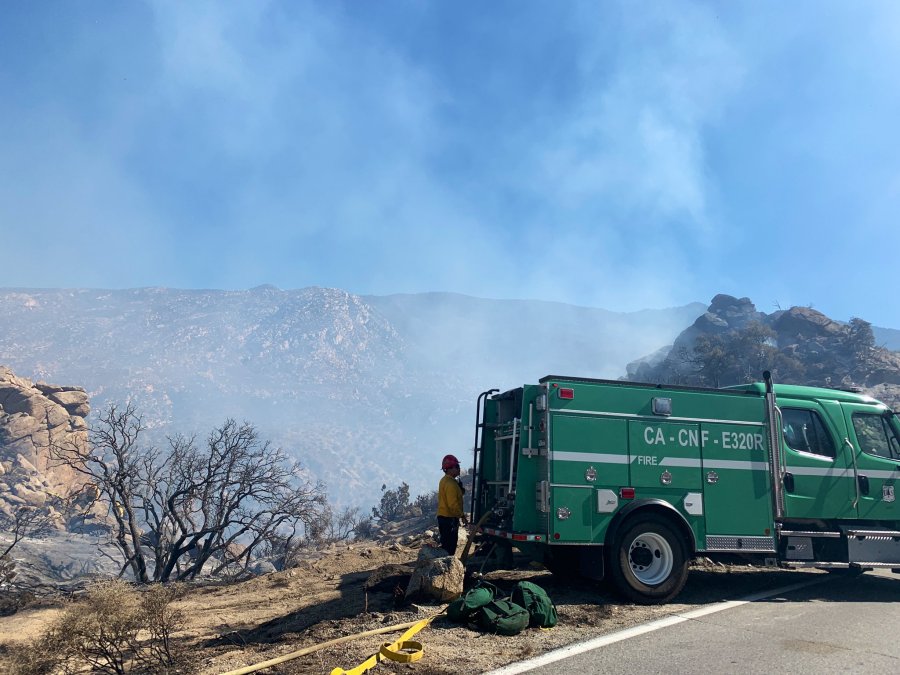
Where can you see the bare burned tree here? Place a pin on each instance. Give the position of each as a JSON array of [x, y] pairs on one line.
[[333, 526], [285, 550], [25, 521], [176, 510]]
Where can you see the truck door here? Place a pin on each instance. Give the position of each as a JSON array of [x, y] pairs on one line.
[[819, 474], [736, 471], [587, 454], [877, 448]]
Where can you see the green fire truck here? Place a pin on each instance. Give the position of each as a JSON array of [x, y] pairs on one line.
[[629, 481]]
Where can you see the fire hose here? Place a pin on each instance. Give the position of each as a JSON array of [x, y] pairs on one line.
[[403, 650], [400, 648]]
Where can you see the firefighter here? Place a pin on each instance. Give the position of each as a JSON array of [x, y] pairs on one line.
[[450, 505]]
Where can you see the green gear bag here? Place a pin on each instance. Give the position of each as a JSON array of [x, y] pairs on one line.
[[503, 617], [463, 609], [540, 608]]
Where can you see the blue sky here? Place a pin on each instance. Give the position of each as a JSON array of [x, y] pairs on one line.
[[618, 155]]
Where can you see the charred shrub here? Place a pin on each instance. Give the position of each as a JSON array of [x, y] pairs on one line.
[[113, 629]]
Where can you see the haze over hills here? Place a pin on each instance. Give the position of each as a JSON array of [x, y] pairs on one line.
[[889, 338], [365, 390]]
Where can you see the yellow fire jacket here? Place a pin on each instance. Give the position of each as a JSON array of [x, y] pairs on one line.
[[450, 498]]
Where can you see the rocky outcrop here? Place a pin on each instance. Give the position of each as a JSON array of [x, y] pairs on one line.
[[724, 314], [800, 345], [727, 313], [34, 418]]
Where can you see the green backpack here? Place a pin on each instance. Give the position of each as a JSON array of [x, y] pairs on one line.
[[463, 609], [503, 617], [535, 599]]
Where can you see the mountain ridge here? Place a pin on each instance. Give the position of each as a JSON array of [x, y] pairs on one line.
[[364, 389]]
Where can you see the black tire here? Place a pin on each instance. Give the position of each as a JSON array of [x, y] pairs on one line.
[[648, 560]]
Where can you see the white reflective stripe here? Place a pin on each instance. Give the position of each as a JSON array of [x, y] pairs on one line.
[[656, 418], [816, 471], [687, 462], [678, 461], [735, 464], [879, 474], [832, 472], [599, 457]]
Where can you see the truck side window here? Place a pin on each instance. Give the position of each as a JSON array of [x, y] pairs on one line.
[[875, 435], [804, 431]]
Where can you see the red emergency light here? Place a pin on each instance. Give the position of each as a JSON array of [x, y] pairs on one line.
[[566, 393], [626, 493]]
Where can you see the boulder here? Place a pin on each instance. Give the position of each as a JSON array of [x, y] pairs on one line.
[[75, 401], [806, 323], [711, 323], [428, 553], [25, 464], [440, 578], [48, 389], [32, 404], [16, 427], [261, 567]]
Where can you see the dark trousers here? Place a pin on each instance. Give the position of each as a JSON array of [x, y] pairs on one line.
[[449, 529]]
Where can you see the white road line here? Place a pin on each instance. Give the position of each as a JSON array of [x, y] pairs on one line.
[[665, 622]]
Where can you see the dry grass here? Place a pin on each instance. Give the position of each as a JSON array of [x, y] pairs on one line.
[[114, 628]]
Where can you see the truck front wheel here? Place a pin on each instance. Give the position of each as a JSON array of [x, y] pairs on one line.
[[648, 561]]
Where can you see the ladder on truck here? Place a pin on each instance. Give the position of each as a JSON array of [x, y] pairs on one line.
[[506, 442]]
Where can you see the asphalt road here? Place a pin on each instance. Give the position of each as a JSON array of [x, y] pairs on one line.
[[840, 625]]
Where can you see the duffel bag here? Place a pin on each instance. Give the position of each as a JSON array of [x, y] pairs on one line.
[[540, 608], [463, 609], [503, 617]]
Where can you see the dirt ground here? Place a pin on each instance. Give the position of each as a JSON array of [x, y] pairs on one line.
[[234, 625]]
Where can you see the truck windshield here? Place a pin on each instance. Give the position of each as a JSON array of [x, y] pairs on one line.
[[876, 435]]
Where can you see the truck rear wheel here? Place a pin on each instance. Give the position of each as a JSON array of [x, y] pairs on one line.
[[648, 561]]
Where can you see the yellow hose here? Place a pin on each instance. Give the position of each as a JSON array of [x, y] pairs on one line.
[[348, 638], [403, 650], [321, 645]]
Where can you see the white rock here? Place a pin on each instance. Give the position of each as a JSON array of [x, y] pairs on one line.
[[439, 578]]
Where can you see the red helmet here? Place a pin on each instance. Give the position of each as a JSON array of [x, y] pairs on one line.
[[449, 462]]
